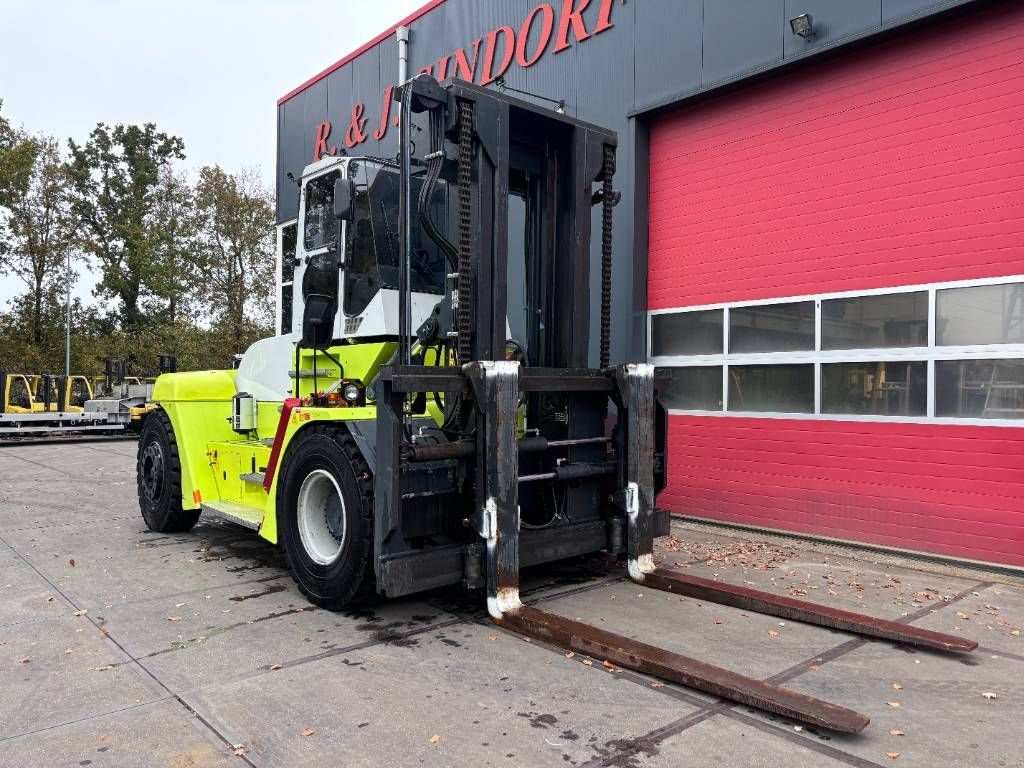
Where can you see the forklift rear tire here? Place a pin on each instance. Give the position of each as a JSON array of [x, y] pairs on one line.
[[158, 476], [326, 516]]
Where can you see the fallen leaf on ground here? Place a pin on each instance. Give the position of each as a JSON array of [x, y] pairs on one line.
[[82, 612], [49, 599], [607, 664], [307, 732], [657, 685], [180, 605], [275, 666], [24, 660], [71, 562], [772, 633], [239, 751], [68, 650], [798, 728], [893, 704], [492, 637], [1015, 632], [989, 695], [893, 755], [896, 732], [897, 686], [569, 655], [814, 667], [174, 618], [104, 668], [588, 662], [434, 739], [103, 740]]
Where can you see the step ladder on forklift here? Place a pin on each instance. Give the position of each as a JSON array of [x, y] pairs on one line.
[[496, 384]]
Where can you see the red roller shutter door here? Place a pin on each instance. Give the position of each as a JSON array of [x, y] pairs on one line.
[[899, 164]]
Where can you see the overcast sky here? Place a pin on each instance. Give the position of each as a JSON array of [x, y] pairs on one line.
[[210, 71]]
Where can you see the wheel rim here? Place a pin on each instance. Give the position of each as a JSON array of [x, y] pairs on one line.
[[321, 516], [153, 471]]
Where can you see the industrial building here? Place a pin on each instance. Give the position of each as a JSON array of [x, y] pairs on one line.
[[819, 235]]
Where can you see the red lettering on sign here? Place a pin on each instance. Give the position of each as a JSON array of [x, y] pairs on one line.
[[547, 27], [354, 134], [574, 17], [463, 69], [515, 47], [604, 21], [382, 129], [489, 74], [323, 130]]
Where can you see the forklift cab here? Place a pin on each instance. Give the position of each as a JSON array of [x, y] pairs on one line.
[[16, 394], [350, 252]]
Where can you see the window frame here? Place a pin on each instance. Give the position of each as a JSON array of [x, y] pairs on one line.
[[930, 354], [279, 272]]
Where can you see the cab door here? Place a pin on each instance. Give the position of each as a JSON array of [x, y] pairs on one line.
[[317, 248]]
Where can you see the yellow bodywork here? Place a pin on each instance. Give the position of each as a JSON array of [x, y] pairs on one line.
[[19, 395], [216, 460]]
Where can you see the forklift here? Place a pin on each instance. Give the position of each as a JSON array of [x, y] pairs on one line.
[[400, 441]]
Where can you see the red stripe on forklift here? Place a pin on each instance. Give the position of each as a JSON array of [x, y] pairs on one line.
[[275, 452]]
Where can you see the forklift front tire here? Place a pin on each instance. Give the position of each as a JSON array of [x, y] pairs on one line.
[[325, 525], [158, 473]]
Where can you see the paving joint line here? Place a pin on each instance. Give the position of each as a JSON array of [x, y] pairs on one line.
[[86, 719], [134, 662], [1001, 654]]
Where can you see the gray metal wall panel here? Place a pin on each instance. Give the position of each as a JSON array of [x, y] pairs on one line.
[[897, 11], [605, 72], [833, 20], [314, 109], [427, 41], [339, 107], [740, 36], [292, 154], [667, 44], [366, 90], [388, 75]]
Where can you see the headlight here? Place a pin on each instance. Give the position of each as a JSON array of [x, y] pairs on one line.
[[351, 393]]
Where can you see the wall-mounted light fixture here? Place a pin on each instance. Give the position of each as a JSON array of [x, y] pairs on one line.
[[802, 25]]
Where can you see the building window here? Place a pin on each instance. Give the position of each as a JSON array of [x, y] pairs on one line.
[[867, 322], [687, 333], [772, 388], [772, 328], [950, 352], [694, 388], [981, 314], [883, 388], [980, 389], [286, 244]]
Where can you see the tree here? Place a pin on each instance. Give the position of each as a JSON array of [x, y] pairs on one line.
[[236, 215], [39, 229], [114, 177], [175, 280], [17, 156]]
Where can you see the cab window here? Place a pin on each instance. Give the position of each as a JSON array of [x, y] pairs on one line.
[[321, 228]]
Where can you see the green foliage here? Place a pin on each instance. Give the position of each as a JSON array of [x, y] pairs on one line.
[[236, 251], [114, 177], [39, 228], [184, 269]]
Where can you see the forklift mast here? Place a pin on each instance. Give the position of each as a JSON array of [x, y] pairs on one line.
[[524, 453]]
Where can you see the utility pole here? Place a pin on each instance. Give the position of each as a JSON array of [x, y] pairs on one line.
[[67, 326]]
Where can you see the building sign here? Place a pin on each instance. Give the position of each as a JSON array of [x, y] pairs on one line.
[[484, 61]]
